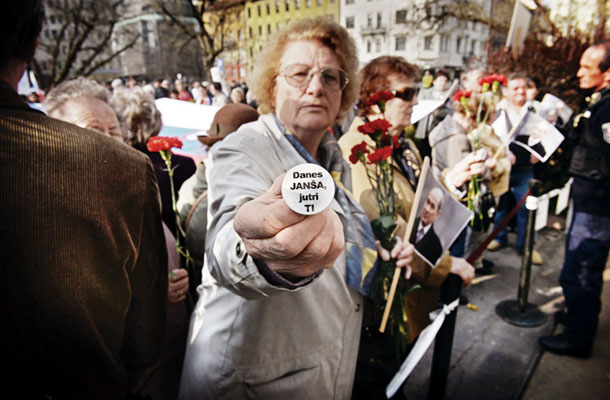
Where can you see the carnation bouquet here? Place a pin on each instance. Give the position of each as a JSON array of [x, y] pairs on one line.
[[377, 160], [477, 200]]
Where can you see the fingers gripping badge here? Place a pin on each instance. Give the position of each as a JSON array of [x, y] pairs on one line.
[[308, 189]]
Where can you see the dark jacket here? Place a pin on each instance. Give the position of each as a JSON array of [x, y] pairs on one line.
[[83, 275], [590, 162], [429, 246], [184, 168]]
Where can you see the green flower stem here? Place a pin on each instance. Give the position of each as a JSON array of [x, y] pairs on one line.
[[166, 155]]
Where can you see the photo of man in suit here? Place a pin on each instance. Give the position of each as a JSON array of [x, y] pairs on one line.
[[423, 236]]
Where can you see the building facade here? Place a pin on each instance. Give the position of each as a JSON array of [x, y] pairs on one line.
[[398, 27], [264, 17]]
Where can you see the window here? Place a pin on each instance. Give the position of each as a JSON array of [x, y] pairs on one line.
[[250, 32], [369, 20], [269, 29], [287, 5], [401, 43], [473, 45], [277, 26], [458, 45], [268, 9], [401, 16], [319, 2], [349, 2], [297, 4], [259, 10], [307, 3], [428, 43], [260, 30], [444, 43], [378, 20], [277, 7], [239, 34], [368, 46], [378, 46], [349, 22], [251, 52], [249, 12]]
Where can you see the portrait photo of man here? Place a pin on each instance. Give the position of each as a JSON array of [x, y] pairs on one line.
[[424, 237]]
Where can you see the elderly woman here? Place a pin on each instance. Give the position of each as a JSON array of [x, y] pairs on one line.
[[276, 317], [377, 358], [83, 102], [140, 120]]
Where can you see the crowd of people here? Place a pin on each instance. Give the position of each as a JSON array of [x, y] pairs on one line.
[[94, 302], [199, 92]]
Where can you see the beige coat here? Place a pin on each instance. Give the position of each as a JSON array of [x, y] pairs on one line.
[[419, 302]]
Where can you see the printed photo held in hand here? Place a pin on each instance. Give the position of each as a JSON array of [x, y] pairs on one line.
[[164, 146], [554, 110], [480, 133], [440, 219], [381, 179], [542, 139]]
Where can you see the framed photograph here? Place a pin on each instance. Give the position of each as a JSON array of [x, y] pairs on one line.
[[440, 219]]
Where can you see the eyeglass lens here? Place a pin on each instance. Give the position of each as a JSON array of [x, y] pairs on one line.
[[406, 94], [299, 75]]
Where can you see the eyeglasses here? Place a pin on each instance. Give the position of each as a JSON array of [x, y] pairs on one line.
[[406, 94], [299, 76]]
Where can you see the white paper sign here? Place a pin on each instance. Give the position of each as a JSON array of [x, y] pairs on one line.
[[542, 213], [424, 108], [564, 197]]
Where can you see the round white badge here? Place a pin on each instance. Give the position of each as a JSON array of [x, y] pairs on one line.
[[308, 189]]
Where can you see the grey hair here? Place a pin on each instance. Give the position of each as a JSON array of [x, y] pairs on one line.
[[137, 113], [73, 89]]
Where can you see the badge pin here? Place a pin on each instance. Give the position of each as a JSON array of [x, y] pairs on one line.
[[308, 189]]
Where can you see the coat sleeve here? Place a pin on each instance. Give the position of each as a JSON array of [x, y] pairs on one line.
[[145, 325], [241, 168]]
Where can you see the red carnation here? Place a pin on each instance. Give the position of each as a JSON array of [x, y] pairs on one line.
[[371, 127], [380, 155], [500, 78], [160, 143], [461, 93], [357, 151], [379, 97]]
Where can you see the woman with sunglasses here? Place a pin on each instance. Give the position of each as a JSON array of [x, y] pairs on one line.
[[270, 323], [377, 358]]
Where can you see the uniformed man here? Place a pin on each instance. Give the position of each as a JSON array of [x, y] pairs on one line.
[[588, 240]]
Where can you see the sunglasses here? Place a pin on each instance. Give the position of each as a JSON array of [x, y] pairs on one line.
[[299, 76], [406, 94]]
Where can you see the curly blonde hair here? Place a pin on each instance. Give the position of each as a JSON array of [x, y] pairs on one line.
[[137, 113], [332, 35]]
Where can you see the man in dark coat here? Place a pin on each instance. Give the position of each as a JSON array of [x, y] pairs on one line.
[[588, 240], [423, 236], [83, 265]]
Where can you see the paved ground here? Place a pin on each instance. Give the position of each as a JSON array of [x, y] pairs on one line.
[[494, 360]]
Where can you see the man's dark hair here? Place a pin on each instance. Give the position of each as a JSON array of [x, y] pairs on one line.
[[218, 86], [441, 72], [20, 25], [604, 64]]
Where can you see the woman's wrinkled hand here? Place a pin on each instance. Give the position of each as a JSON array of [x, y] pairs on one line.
[[463, 269], [291, 244], [402, 253]]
